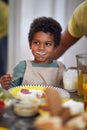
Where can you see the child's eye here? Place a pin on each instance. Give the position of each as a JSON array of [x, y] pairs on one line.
[[48, 44], [35, 42]]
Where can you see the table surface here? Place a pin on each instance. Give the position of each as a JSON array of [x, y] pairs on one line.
[[14, 122], [74, 95]]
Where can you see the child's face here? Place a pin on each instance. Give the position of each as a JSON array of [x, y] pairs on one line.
[[42, 47]]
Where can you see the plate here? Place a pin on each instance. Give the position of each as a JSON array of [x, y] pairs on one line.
[[63, 93], [14, 91], [39, 88], [34, 88]]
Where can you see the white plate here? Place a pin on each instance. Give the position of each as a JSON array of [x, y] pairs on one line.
[[63, 93]]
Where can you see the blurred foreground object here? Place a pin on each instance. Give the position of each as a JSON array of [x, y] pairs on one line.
[[3, 36], [59, 117], [5, 101]]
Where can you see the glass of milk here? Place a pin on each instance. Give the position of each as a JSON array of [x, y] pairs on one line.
[[70, 80]]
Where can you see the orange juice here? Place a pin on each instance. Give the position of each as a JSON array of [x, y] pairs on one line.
[[80, 85], [85, 92], [82, 71]]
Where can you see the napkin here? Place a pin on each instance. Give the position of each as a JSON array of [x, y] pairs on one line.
[[75, 107]]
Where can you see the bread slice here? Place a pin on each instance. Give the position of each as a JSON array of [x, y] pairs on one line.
[[53, 100]]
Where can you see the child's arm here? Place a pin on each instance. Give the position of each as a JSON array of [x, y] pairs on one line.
[[18, 73]]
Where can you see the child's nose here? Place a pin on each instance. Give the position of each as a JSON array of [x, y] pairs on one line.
[[42, 46]]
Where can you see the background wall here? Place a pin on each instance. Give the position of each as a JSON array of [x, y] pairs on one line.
[[21, 14]]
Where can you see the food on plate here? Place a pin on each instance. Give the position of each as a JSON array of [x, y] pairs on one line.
[[62, 119], [26, 93], [48, 123], [27, 102], [75, 107], [53, 100], [78, 122]]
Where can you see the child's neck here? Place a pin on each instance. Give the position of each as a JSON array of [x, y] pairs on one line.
[[43, 62]]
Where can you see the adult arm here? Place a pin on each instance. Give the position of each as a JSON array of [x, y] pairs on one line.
[[65, 43], [77, 28]]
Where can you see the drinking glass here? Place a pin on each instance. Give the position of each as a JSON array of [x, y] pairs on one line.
[[82, 75], [70, 79]]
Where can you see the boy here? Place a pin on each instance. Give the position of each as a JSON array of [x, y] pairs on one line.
[[44, 37]]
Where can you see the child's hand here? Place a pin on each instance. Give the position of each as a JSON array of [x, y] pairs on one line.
[[5, 80]]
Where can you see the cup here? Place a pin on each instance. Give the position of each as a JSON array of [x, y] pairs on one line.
[[85, 88], [82, 75], [70, 79]]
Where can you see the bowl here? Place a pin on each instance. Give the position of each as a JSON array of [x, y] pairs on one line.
[[27, 102], [24, 109]]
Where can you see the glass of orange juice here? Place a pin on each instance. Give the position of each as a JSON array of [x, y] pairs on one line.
[[80, 85], [82, 73], [85, 87]]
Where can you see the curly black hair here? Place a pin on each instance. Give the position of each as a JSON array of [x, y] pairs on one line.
[[47, 25]]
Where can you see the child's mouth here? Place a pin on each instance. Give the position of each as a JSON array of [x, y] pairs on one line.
[[41, 53]]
